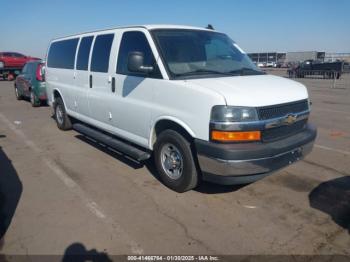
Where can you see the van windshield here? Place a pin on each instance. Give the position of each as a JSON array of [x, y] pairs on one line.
[[199, 53]]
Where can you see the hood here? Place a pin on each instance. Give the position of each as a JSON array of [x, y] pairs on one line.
[[255, 91]]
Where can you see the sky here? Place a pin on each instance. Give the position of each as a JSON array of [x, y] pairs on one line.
[[256, 25]]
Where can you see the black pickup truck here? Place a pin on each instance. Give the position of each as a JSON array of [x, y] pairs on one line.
[[328, 70]]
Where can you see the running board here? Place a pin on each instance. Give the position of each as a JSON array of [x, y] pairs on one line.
[[122, 147]]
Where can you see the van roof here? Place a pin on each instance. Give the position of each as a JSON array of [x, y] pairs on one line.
[[156, 26], [148, 27]]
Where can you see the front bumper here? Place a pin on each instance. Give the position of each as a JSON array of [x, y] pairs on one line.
[[247, 162]]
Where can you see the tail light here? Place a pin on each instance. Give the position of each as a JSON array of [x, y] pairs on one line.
[[40, 74]]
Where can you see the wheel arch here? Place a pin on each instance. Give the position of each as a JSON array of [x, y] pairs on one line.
[[55, 94], [168, 122]]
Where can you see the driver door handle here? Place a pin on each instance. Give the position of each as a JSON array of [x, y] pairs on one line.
[[113, 85], [90, 81]]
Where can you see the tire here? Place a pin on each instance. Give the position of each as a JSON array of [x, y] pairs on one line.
[[34, 100], [10, 77], [171, 145], [18, 96], [62, 119]]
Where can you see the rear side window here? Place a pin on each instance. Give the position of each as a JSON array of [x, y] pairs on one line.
[[62, 54], [135, 41], [84, 52], [31, 68], [101, 53], [28, 68], [25, 69]]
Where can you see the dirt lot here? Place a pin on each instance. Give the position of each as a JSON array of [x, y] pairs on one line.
[[62, 192]]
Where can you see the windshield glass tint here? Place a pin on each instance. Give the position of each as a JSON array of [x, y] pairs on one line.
[[198, 52]]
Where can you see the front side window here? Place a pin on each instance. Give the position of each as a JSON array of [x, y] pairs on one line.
[[198, 53], [62, 54], [84, 52], [131, 42], [101, 53]]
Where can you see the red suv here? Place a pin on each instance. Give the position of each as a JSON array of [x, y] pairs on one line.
[[11, 64]]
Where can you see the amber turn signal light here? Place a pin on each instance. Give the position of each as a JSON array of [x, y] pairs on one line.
[[233, 136]]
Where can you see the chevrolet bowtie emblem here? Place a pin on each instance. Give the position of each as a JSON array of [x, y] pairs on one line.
[[290, 119]]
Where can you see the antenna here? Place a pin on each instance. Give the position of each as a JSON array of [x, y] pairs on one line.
[[210, 27]]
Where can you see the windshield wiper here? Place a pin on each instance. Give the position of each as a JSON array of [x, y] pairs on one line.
[[246, 71], [242, 71], [203, 71]]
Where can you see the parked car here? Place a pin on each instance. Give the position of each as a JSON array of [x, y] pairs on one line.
[[271, 64], [30, 83], [261, 64], [191, 97], [11, 63]]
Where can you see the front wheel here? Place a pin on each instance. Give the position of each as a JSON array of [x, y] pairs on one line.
[[175, 162], [61, 117]]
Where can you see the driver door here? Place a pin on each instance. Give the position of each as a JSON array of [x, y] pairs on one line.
[[132, 99]]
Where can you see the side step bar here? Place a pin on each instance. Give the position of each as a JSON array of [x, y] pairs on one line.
[[122, 147]]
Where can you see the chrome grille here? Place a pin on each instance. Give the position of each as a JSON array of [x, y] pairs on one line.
[[275, 111], [276, 133]]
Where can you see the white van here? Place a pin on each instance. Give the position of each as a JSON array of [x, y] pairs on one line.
[[190, 97]]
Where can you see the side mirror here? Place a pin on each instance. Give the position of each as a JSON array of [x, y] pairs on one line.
[[135, 63]]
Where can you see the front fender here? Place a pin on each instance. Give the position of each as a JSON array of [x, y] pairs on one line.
[[169, 118]]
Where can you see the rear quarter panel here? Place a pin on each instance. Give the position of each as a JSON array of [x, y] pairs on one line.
[[62, 81]]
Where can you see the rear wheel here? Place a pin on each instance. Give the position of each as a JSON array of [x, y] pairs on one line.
[[18, 95], [62, 119], [175, 162], [34, 100]]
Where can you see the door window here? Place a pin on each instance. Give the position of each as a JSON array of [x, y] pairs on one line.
[[17, 55], [131, 42], [84, 52], [101, 53]]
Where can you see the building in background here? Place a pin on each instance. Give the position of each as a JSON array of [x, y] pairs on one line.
[[332, 57], [295, 57], [266, 58], [280, 59]]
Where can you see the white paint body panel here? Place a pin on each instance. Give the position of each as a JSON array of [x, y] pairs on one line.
[[139, 103], [255, 91]]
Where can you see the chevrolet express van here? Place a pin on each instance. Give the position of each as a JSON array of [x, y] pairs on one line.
[[190, 97]]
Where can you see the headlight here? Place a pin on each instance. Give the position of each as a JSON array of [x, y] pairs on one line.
[[1, 64], [233, 114]]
